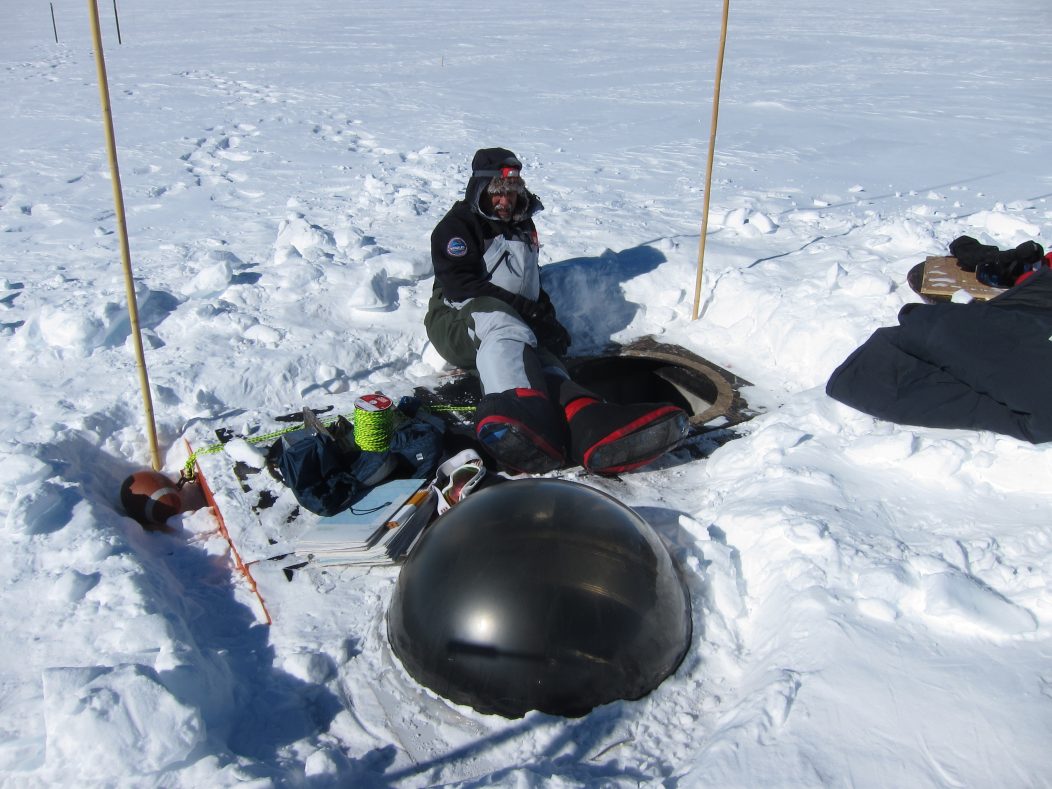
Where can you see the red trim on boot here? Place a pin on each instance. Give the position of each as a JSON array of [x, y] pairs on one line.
[[535, 438], [521, 392], [631, 427], [574, 407]]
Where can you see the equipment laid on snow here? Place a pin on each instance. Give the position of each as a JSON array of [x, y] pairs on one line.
[[263, 522], [376, 530], [540, 594], [328, 475]]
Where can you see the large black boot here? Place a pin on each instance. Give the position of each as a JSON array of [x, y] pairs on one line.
[[609, 438], [522, 430]]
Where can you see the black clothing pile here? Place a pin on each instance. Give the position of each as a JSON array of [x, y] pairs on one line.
[[981, 365], [992, 266]]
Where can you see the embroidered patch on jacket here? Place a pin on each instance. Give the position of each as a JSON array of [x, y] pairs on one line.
[[456, 248]]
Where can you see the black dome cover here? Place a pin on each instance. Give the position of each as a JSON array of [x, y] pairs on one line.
[[540, 594]]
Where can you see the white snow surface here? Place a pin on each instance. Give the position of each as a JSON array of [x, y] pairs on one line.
[[871, 601]]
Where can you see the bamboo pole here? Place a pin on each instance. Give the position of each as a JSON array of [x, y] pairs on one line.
[[122, 227], [712, 152]]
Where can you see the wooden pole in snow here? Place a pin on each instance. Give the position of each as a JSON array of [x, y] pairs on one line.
[[122, 228], [708, 166]]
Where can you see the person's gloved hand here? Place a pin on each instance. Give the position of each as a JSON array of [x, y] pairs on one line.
[[552, 334], [540, 316], [529, 309], [557, 340]]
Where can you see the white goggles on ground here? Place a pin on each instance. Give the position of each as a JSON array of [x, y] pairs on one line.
[[458, 477]]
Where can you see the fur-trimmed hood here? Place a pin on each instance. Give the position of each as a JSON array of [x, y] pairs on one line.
[[485, 166]]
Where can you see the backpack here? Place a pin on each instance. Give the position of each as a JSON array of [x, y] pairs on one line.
[[328, 473]]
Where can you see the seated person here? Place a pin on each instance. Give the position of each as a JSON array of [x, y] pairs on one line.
[[489, 313]]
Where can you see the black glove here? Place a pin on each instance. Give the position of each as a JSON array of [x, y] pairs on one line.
[[991, 265], [552, 334], [540, 317], [970, 253], [529, 309]]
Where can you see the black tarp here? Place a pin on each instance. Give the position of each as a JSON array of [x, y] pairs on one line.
[[981, 365]]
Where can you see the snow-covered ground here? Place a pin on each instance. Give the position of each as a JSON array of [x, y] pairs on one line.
[[871, 601]]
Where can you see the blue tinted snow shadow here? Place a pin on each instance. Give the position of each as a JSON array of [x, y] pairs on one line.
[[226, 665], [588, 294]]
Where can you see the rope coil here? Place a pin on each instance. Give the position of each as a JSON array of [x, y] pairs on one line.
[[373, 422]]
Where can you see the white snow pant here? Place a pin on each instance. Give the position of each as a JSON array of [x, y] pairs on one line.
[[490, 336]]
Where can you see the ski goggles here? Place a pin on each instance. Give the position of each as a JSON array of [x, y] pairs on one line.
[[507, 171], [462, 481]]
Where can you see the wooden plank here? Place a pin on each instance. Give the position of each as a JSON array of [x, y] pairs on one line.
[[943, 277]]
